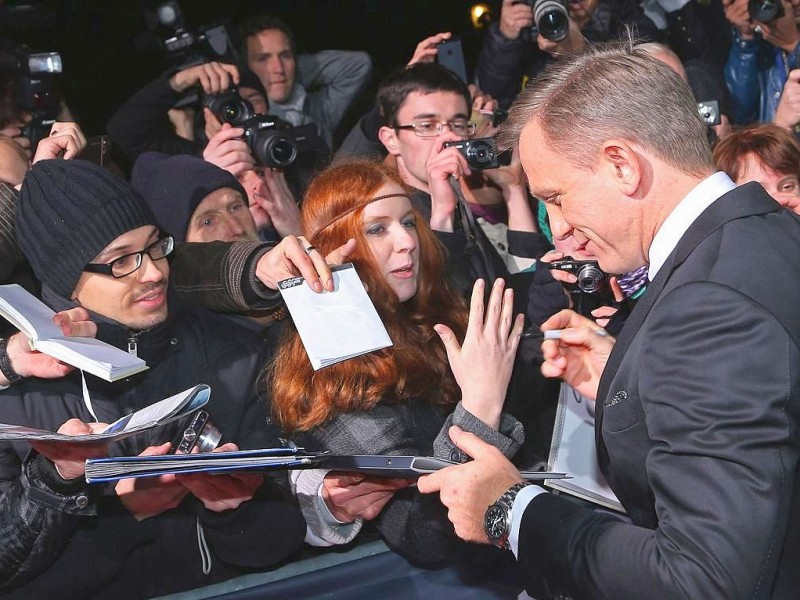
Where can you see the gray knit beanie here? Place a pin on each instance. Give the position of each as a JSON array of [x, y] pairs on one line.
[[68, 212]]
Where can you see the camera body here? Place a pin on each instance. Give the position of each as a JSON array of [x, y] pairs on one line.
[[591, 290], [765, 10], [229, 107], [551, 19], [37, 90], [709, 112], [481, 153], [201, 433], [271, 140], [591, 278]]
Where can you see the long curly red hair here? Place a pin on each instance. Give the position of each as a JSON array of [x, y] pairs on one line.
[[416, 365]]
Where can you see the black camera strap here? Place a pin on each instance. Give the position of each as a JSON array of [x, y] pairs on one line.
[[474, 240]]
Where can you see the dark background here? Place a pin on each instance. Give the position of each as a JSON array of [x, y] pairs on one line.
[[107, 53]]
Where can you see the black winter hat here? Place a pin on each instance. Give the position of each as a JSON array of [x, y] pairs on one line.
[[68, 211], [173, 187]]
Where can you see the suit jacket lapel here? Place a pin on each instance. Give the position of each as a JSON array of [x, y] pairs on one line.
[[746, 200]]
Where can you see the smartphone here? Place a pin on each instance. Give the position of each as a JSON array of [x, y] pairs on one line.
[[451, 56]]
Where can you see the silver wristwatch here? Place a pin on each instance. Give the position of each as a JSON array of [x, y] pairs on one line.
[[497, 520]]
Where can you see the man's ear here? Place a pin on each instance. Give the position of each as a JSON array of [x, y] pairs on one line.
[[622, 163], [388, 137]]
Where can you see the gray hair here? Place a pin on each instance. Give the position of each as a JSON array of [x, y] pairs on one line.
[[612, 91]]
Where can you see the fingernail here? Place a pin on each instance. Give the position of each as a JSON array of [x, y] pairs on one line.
[[317, 286]]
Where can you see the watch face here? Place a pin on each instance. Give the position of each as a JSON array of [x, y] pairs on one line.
[[495, 522]]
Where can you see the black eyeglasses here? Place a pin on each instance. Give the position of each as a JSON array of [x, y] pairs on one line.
[[431, 128], [128, 263]]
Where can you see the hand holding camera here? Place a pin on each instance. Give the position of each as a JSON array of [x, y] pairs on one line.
[[587, 284], [444, 162], [66, 140], [228, 150], [515, 16], [214, 77]]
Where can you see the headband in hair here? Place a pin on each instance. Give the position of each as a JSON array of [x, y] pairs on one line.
[[353, 209]]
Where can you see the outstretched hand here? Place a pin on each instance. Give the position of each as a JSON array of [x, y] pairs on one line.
[[482, 365], [469, 488], [295, 256]]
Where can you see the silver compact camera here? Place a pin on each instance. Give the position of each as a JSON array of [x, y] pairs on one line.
[[709, 112], [201, 434]]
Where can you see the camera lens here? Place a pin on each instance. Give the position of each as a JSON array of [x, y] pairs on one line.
[[552, 19], [274, 149], [230, 112], [480, 154], [765, 10], [590, 279]]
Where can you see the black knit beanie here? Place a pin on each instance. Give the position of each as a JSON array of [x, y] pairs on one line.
[[173, 187], [68, 211]]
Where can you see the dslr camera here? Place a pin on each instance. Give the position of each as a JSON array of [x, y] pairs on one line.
[[270, 140], [481, 153], [765, 10], [229, 107], [551, 19], [37, 90]]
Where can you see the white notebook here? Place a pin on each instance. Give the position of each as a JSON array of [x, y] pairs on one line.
[[35, 319], [338, 325]]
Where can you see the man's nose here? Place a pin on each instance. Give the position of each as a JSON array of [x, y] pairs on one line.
[[558, 226], [150, 270]]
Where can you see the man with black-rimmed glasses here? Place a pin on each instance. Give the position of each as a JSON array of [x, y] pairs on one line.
[[93, 244]]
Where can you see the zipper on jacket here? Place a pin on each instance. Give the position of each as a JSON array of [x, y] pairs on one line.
[[133, 344]]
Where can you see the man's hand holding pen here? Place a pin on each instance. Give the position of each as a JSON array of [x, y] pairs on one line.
[[576, 350]]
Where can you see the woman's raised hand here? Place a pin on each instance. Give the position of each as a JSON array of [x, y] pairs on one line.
[[482, 364]]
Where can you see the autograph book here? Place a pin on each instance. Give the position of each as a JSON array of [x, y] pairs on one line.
[[111, 469], [35, 319]]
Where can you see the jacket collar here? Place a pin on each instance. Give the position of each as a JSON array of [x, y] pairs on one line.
[[151, 344]]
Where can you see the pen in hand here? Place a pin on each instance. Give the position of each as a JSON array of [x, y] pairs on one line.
[[553, 334]]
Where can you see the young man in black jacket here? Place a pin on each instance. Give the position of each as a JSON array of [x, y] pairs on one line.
[[92, 243]]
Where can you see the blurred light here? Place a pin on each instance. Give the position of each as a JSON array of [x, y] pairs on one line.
[[481, 15]]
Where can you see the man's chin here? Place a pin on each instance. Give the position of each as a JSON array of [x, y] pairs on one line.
[[142, 322]]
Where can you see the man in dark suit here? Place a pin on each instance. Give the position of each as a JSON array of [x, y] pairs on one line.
[[698, 400]]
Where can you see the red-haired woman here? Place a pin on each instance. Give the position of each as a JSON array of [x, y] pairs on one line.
[[403, 399]]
